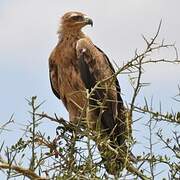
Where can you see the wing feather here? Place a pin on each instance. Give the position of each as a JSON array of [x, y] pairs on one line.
[[86, 75], [116, 80], [53, 76], [94, 66]]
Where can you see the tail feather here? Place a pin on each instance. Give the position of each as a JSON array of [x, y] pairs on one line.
[[114, 151], [112, 159], [115, 159]]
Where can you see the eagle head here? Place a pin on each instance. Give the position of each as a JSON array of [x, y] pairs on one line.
[[75, 20]]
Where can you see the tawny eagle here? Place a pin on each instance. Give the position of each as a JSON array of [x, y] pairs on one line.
[[76, 65]]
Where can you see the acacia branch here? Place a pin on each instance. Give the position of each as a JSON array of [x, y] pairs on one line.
[[26, 172]]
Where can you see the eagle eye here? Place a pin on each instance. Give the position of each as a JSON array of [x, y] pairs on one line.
[[77, 18]]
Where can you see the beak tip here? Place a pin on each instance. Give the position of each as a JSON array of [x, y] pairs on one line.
[[90, 22]]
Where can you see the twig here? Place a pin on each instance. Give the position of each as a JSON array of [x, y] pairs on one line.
[[26, 172]]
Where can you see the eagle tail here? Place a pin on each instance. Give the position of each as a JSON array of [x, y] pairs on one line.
[[114, 159], [112, 163], [115, 154]]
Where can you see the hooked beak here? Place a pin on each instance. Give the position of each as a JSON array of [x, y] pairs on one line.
[[88, 21]]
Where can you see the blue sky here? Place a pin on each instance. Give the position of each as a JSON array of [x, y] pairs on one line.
[[28, 34]]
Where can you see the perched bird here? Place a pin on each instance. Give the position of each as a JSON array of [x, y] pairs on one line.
[[78, 68]]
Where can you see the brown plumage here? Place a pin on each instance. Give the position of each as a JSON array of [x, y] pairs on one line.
[[75, 66]]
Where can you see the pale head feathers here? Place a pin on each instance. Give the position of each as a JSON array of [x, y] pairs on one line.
[[72, 22]]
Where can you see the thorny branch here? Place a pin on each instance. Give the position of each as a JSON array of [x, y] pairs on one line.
[[72, 153], [26, 172]]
